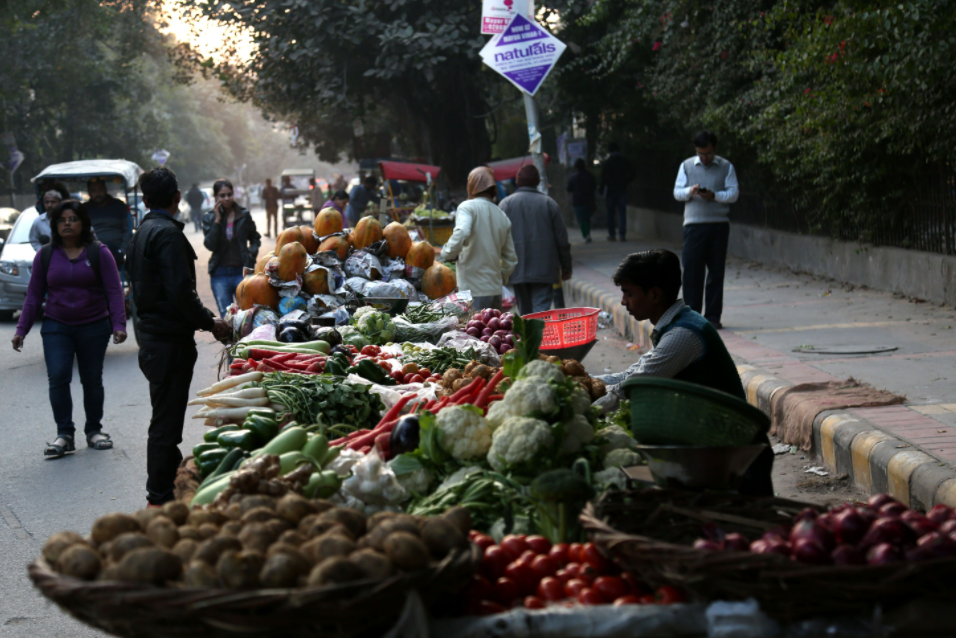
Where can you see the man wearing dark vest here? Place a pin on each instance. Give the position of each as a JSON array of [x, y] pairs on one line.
[[686, 346], [708, 185]]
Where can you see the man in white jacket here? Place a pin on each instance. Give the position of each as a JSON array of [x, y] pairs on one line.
[[481, 242]]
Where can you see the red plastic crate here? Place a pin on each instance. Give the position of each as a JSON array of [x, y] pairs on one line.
[[567, 327]]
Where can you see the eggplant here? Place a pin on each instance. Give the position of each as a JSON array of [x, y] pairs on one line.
[[301, 326], [291, 335], [342, 349], [405, 435], [329, 335]]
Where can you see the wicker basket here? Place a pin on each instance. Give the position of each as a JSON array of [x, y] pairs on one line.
[[650, 533], [437, 235], [356, 609]]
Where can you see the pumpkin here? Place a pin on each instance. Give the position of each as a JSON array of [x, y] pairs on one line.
[[421, 255], [316, 282], [338, 243], [308, 241], [292, 261], [328, 221], [261, 264], [288, 236], [439, 280], [396, 236], [367, 232], [255, 290]]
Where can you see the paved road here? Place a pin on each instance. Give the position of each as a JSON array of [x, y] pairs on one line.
[[40, 497]]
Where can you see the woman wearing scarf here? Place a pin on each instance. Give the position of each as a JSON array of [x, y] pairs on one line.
[[482, 242]]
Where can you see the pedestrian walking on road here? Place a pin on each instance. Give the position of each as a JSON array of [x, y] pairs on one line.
[[195, 199], [112, 221], [616, 174], [78, 278], [708, 185], [163, 273], [270, 199], [40, 231], [582, 186], [338, 201], [540, 241], [481, 242], [361, 196], [231, 236]]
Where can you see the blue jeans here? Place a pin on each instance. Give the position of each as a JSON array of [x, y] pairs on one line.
[[616, 213], [87, 344], [224, 283]]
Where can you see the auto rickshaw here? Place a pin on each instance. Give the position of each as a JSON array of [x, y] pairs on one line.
[[296, 187]]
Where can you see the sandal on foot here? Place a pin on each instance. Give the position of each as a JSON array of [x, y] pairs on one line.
[[99, 441], [61, 446]]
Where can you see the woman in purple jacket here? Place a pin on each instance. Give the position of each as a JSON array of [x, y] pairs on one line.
[[82, 308]]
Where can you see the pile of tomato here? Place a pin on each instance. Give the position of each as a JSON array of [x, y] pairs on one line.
[[530, 572], [408, 373]]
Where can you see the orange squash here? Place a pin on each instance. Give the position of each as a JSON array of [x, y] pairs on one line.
[[316, 282], [439, 280], [261, 264], [292, 261], [396, 236], [339, 243], [308, 241], [288, 236], [421, 255], [256, 290], [367, 232], [328, 221]]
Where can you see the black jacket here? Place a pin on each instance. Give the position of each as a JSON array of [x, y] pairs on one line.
[[582, 185], [162, 270], [244, 230], [616, 173]]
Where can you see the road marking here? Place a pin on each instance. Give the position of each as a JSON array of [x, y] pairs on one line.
[[14, 524], [823, 326]]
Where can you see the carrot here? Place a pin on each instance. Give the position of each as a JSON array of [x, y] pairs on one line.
[[382, 445], [465, 390], [472, 395], [366, 449], [396, 409], [496, 397], [281, 357], [314, 368], [482, 400]]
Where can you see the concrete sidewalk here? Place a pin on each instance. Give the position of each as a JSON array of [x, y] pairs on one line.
[[908, 450]]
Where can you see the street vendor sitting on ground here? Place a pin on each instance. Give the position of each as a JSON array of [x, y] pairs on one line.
[[686, 346]]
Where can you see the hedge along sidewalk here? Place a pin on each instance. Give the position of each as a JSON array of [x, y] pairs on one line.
[[865, 443]]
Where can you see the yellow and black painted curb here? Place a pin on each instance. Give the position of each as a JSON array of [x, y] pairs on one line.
[[582, 294], [875, 460]]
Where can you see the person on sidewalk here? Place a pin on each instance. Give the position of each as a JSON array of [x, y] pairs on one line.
[[708, 185], [162, 270], [540, 241], [616, 174], [195, 199], [481, 242], [77, 277], [231, 236], [270, 199], [686, 346], [582, 187]]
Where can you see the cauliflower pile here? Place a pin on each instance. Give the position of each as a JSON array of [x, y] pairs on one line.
[[518, 441], [376, 326], [463, 432]]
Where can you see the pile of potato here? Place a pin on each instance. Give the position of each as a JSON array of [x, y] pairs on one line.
[[455, 379], [258, 542]]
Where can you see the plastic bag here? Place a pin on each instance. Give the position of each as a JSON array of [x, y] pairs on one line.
[[508, 299], [245, 321], [463, 341], [363, 264], [405, 288], [414, 274], [292, 304], [374, 483], [285, 288], [394, 269], [430, 332], [385, 290], [355, 285], [459, 304], [265, 332]]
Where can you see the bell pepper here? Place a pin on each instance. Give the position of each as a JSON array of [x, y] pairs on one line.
[[212, 435], [336, 367], [322, 485], [316, 447], [203, 447], [227, 463], [368, 369], [265, 428], [208, 461], [243, 439]]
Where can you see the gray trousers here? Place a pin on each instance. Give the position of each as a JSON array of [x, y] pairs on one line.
[[533, 297]]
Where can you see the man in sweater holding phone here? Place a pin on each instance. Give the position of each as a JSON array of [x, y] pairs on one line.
[[708, 185]]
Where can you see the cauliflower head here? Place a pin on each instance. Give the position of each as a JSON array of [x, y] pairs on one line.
[[416, 482], [606, 478], [577, 432], [463, 432], [541, 370], [615, 438], [530, 396], [517, 441], [580, 401], [622, 457], [497, 413]]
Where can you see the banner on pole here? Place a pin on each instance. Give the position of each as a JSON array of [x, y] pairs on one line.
[[524, 53], [496, 14]]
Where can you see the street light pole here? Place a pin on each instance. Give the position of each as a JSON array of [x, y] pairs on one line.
[[534, 138]]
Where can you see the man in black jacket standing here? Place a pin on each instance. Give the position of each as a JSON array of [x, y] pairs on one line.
[[160, 263], [616, 174]]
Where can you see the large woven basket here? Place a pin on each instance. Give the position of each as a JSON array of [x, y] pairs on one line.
[[650, 533], [362, 608]]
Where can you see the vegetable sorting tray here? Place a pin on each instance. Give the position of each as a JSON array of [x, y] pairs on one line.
[[651, 532], [352, 609]]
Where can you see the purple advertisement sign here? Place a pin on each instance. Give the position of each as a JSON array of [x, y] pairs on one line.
[[524, 53]]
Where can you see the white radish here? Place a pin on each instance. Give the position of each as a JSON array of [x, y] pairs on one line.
[[214, 423], [246, 393], [232, 402], [231, 382], [227, 414]]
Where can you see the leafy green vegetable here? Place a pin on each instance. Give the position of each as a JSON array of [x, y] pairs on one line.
[[528, 335], [559, 496], [325, 400]]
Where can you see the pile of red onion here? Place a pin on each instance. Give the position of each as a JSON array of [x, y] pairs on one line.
[[492, 327], [879, 532]]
